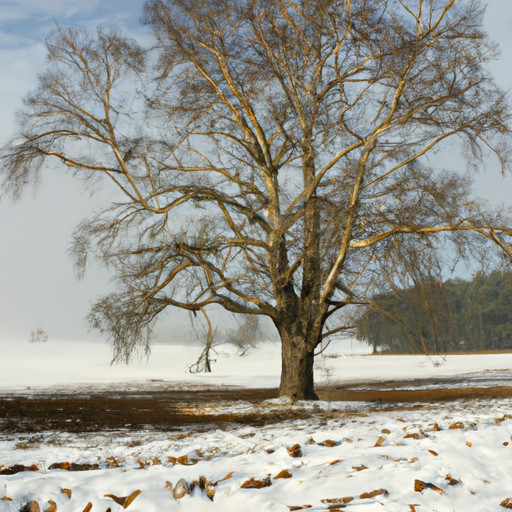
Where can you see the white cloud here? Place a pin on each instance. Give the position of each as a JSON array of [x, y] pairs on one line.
[[24, 26], [23, 9]]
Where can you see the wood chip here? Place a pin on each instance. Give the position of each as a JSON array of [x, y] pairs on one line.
[[256, 484], [184, 460], [506, 503], [227, 477], [451, 480], [415, 435], [372, 494], [74, 466], [31, 506], [345, 500], [124, 501], [329, 443], [52, 507], [17, 468], [379, 442], [204, 485], [180, 489], [295, 451], [420, 486]]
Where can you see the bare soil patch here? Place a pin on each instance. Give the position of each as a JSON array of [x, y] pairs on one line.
[[418, 395], [174, 409]]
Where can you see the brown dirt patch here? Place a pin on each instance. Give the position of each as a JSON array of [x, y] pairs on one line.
[[418, 395], [165, 410], [174, 409]]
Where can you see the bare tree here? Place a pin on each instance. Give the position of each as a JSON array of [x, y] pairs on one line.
[[271, 154], [205, 333], [247, 334], [38, 336]]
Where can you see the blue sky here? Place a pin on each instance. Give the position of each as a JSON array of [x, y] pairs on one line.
[[37, 286]]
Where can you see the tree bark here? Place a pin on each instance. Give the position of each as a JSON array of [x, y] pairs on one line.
[[297, 361]]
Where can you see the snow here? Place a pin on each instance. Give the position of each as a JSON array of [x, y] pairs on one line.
[[59, 364], [384, 450]]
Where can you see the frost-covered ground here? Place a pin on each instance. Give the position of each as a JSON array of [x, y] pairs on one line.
[[457, 452], [29, 367]]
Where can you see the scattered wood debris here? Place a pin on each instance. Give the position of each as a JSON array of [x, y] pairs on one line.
[[31, 506], [67, 492], [180, 489], [256, 484], [17, 468], [379, 442], [124, 501], [451, 480], [420, 486], [74, 466], [295, 451], [506, 503]]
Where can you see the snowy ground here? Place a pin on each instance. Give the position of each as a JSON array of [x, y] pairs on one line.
[[62, 366], [457, 452]]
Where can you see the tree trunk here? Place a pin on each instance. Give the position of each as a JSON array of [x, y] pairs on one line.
[[297, 368]]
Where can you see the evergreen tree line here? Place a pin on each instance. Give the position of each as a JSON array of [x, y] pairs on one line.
[[435, 316]]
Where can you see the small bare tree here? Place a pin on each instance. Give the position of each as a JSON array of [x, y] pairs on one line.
[[38, 336], [271, 155], [247, 335], [205, 333]]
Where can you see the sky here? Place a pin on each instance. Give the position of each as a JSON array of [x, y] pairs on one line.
[[38, 289]]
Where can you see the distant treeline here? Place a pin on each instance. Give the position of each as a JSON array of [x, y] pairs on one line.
[[435, 316]]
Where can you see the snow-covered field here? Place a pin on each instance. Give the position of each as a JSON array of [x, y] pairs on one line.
[[347, 457], [61, 366]]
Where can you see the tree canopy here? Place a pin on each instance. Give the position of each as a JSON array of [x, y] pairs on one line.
[[271, 155]]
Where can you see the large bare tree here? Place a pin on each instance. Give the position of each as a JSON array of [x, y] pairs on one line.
[[272, 155]]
